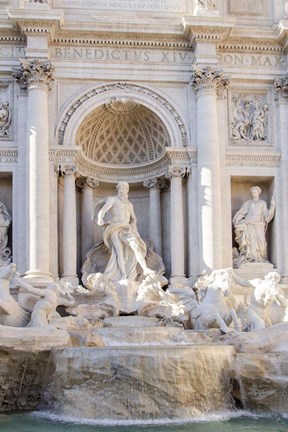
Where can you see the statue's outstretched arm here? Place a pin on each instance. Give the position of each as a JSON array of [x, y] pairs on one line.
[[107, 206], [20, 283]]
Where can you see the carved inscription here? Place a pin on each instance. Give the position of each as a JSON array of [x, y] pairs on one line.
[[253, 60], [11, 51], [122, 55], [176, 6]]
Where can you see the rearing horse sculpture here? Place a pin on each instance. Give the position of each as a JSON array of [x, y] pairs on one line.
[[217, 308]]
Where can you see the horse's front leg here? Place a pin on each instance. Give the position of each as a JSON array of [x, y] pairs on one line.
[[235, 320], [221, 323]]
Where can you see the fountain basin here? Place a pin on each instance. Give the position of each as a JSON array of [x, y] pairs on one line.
[[139, 382]]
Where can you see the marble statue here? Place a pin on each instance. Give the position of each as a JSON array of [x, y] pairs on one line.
[[241, 120], [5, 119], [206, 7], [99, 301], [259, 122], [168, 306], [46, 301], [217, 309], [11, 312], [5, 221], [250, 224], [265, 292], [249, 119], [121, 237]]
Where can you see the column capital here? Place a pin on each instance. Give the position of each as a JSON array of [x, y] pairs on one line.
[[177, 171], [155, 183], [34, 73], [56, 170], [68, 170], [281, 86], [87, 182], [208, 80]]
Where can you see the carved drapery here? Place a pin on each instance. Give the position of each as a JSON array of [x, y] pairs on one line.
[[35, 73]]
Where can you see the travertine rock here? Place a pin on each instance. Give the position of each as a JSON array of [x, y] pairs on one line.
[[140, 382]]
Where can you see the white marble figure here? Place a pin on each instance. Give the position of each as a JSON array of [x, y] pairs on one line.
[[5, 221], [241, 120], [5, 119], [169, 306], [47, 300], [217, 309], [266, 291], [99, 301], [259, 122], [127, 248], [11, 312], [250, 224]]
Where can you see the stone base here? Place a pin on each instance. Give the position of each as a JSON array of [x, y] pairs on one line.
[[127, 293], [38, 279], [254, 270]]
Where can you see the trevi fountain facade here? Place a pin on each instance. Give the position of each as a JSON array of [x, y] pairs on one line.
[[143, 207]]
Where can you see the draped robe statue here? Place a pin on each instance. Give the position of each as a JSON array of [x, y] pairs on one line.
[[250, 224]]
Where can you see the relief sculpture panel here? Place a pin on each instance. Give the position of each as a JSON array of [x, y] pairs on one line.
[[249, 120]]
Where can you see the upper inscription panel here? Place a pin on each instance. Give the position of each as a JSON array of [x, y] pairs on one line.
[[170, 6]]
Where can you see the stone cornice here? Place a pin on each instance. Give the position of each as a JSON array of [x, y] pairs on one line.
[[208, 31], [182, 157], [37, 21], [254, 46], [128, 40]]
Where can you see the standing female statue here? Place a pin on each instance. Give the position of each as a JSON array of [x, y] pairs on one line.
[[5, 221], [250, 224]]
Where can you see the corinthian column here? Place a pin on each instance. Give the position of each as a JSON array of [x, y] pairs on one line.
[[176, 174], [69, 226], [155, 186], [87, 186], [206, 82], [35, 76], [281, 85]]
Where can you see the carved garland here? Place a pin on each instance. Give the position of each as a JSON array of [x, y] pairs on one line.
[[127, 88]]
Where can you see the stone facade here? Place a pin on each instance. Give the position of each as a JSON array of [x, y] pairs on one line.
[[185, 100]]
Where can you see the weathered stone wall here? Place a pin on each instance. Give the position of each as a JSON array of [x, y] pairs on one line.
[[22, 374]]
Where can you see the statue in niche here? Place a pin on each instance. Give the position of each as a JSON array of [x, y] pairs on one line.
[[250, 119], [5, 119], [121, 237], [250, 224], [5, 221]]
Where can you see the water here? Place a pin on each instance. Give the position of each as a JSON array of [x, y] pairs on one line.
[[139, 382], [224, 422]]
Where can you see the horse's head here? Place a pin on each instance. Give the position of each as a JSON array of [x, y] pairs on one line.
[[221, 280]]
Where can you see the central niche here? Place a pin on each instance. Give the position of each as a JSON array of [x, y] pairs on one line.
[[122, 132]]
